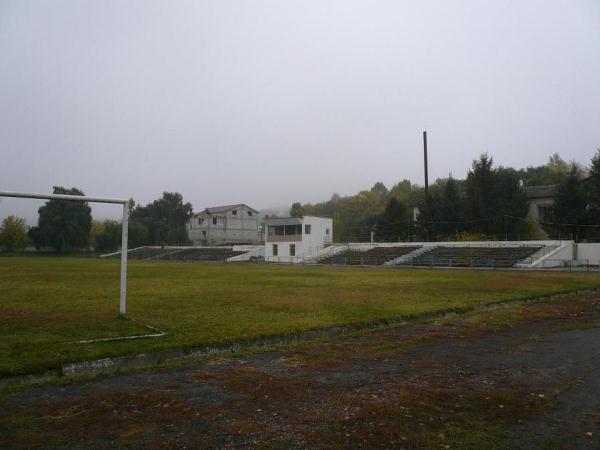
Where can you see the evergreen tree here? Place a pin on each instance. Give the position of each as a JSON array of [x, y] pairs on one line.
[[510, 203], [479, 186], [393, 222], [450, 207], [593, 188], [570, 206]]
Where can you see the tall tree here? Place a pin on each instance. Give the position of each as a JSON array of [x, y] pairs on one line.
[[296, 210], [450, 207], [554, 172], [510, 202], [13, 234], [138, 235], [109, 239], [36, 238], [569, 208], [379, 190], [480, 207], [166, 219], [393, 222], [65, 224], [592, 187], [495, 199]]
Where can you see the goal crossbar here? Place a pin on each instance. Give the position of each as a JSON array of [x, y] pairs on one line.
[[124, 233]]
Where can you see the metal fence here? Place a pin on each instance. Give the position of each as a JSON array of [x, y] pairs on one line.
[[472, 263], [407, 237]]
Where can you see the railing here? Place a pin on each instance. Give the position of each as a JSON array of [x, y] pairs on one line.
[[453, 238], [462, 262], [579, 265]]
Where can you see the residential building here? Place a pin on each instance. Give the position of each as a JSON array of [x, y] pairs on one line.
[[291, 239], [228, 224]]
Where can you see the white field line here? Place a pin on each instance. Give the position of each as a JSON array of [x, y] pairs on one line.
[[159, 333]]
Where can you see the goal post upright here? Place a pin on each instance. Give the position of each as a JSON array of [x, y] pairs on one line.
[[124, 232]]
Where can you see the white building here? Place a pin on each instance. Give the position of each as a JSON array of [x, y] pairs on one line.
[[291, 239], [229, 224]]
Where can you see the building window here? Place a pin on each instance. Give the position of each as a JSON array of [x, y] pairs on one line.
[[327, 231], [214, 220], [234, 212], [250, 213], [203, 233], [279, 230], [274, 249], [292, 249], [306, 229], [293, 230], [199, 221]]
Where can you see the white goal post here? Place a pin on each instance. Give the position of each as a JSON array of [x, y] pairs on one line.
[[124, 233]]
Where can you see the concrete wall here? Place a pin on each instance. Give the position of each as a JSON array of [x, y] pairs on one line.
[[253, 252], [589, 252], [230, 228]]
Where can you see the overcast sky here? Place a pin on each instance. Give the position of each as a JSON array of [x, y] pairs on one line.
[[270, 102]]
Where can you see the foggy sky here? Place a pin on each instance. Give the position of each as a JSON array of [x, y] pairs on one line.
[[270, 102]]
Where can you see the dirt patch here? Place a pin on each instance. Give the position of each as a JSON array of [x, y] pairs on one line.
[[15, 314], [523, 376]]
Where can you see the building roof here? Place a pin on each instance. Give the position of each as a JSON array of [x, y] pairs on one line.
[[274, 221], [225, 208], [289, 220], [540, 191]]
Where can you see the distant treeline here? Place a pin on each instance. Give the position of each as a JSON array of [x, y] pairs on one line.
[[68, 226], [490, 202]]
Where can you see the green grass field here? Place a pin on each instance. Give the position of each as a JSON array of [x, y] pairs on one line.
[[48, 303]]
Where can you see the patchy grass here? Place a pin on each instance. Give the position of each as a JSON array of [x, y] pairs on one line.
[[48, 303], [116, 417], [397, 388]]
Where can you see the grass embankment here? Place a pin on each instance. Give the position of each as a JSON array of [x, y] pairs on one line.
[[48, 303]]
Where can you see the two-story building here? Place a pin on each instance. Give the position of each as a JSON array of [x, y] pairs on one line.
[[228, 224], [290, 239]]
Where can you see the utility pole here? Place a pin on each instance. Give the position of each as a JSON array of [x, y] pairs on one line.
[[425, 162]]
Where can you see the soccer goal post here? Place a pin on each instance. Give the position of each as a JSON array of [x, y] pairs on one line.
[[124, 233]]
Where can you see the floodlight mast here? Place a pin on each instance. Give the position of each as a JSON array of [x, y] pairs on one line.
[[124, 232]]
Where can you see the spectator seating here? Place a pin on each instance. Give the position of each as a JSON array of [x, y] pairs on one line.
[[200, 254], [500, 257], [181, 254], [373, 257]]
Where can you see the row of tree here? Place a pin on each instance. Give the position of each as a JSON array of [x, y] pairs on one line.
[[68, 225], [490, 201], [577, 206], [161, 222]]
